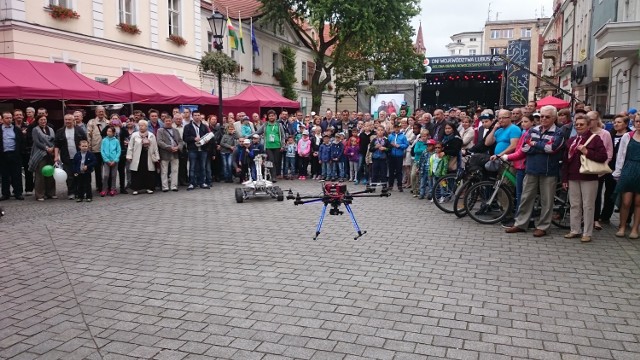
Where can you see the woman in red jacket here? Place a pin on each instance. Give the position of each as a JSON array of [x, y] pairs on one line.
[[582, 187]]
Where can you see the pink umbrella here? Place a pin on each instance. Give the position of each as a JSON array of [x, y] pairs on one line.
[[553, 101]]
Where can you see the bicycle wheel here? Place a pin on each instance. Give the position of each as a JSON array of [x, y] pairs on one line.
[[458, 201], [561, 206], [444, 190], [487, 205]]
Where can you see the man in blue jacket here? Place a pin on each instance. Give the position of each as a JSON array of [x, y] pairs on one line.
[[399, 144], [543, 146]]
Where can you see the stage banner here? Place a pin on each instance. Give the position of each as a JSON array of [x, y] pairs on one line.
[[444, 64], [517, 93]]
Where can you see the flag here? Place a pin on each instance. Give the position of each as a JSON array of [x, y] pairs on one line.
[[254, 42], [240, 27], [233, 38]]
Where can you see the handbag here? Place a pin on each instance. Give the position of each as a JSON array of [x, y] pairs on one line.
[[590, 167]]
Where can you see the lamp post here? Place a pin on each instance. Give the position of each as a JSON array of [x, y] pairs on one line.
[[437, 97], [371, 73], [217, 22]]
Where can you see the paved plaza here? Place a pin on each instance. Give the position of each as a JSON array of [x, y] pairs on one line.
[[193, 275]]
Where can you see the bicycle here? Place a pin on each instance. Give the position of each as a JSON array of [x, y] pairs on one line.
[[489, 202], [474, 172]]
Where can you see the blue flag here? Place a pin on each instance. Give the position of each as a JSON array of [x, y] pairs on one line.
[[254, 42]]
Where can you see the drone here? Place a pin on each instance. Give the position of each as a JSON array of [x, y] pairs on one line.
[[335, 194]]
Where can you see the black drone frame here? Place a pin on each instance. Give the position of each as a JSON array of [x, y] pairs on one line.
[[334, 195]]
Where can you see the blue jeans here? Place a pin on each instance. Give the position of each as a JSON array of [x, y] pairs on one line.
[[363, 169], [197, 166], [289, 166], [426, 183], [227, 166], [337, 169], [326, 169]]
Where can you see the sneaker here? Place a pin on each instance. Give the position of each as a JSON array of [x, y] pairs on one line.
[[174, 189], [149, 191], [190, 187], [103, 193], [123, 191], [89, 200], [53, 197], [40, 199], [134, 193], [441, 200], [165, 190], [113, 192], [71, 197], [205, 186], [79, 199], [29, 193]]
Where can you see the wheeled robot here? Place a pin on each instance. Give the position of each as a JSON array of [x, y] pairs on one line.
[[260, 186]]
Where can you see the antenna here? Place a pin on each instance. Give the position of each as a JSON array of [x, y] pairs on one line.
[[535, 14], [489, 13], [542, 11], [497, 14]]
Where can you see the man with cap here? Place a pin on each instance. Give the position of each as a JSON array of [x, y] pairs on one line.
[[483, 131]]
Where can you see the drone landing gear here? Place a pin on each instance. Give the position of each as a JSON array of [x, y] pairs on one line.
[[335, 211]]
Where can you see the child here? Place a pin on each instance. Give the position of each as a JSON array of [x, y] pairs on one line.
[[352, 151], [324, 156], [379, 147], [304, 151], [290, 158], [241, 159], [83, 163], [246, 130], [337, 150], [110, 151], [426, 181], [438, 167], [255, 149]]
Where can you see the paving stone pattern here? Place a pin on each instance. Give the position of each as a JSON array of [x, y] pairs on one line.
[[193, 275]]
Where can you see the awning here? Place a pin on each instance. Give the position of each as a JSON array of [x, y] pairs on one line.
[[161, 89], [35, 80], [255, 97]]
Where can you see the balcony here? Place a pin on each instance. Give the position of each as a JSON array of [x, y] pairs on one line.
[[550, 50], [618, 39]]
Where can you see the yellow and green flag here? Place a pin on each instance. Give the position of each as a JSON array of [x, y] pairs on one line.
[[241, 43], [233, 37]]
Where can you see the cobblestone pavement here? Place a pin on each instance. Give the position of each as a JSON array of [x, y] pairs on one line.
[[193, 275]]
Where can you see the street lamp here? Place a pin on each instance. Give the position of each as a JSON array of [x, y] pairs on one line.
[[217, 22], [437, 97], [371, 73]]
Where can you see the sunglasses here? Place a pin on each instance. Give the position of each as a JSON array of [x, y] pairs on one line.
[[545, 116]]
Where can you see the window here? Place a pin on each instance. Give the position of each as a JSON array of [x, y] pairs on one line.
[[525, 32], [126, 12], [256, 60], [453, 52], [472, 39], [459, 51], [495, 34], [497, 50], [174, 17], [304, 71], [472, 51], [459, 41], [71, 66], [63, 3], [275, 64], [507, 33], [209, 41]]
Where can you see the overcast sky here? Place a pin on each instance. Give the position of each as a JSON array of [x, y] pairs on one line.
[[441, 19]]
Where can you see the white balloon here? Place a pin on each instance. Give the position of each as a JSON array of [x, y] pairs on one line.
[[60, 175]]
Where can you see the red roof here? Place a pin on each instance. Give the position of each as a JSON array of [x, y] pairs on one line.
[[161, 89], [553, 101], [245, 8], [255, 97], [26, 79]]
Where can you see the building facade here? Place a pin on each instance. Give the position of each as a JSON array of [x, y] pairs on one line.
[[466, 43], [94, 41], [619, 40]]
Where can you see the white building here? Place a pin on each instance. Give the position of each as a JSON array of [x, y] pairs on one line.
[[466, 43], [95, 44], [620, 41]]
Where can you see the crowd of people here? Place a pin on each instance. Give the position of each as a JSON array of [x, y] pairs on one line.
[[143, 153]]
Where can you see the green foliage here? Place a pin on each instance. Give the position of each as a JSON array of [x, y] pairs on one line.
[[218, 62], [287, 76], [371, 90], [353, 27]]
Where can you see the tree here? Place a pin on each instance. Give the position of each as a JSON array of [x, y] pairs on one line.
[[287, 75], [343, 28]]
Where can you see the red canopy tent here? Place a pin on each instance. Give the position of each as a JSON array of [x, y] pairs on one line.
[[255, 97], [27, 79], [553, 101], [161, 89]]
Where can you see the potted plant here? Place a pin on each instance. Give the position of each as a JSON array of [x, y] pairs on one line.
[[178, 40], [257, 71], [305, 82], [218, 62], [128, 28], [371, 90], [62, 13]]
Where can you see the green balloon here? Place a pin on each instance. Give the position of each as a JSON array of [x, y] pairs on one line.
[[48, 170]]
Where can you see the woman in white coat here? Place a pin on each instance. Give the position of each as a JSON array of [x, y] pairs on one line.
[[142, 154]]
